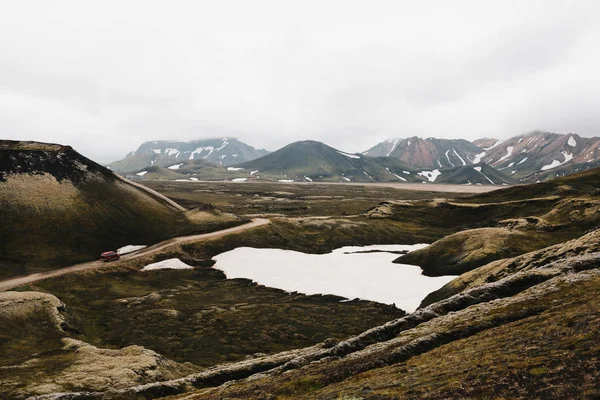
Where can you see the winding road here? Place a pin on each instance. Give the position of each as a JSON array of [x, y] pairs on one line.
[[23, 280]]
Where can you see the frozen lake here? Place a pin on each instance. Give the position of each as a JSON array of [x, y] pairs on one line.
[[343, 272]]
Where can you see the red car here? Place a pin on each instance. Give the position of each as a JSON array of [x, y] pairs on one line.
[[109, 256]]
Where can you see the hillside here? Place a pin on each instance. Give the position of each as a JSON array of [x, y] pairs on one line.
[[540, 156], [474, 174], [222, 151], [58, 208], [427, 153]]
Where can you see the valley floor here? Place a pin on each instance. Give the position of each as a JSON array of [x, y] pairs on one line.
[[521, 320]]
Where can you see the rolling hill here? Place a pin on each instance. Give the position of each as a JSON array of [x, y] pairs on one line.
[[222, 151], [58, 208]]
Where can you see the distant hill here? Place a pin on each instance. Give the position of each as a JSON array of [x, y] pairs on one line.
[[315, 161], [539, 156], [193, 170], [475, 174], [427, 153], [222, 151], [58, 208]]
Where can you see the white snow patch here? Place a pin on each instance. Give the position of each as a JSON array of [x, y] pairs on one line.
[[239, 179], [522, 161], [448, 158], [430, 175], [193, 179], [365, 172], [399, 177], [308, 179], [457, 155], [406, 172], [509, 150], [200, 150], [225, 143], [478, 157], [286, 180], [341, 272], [478, 169], [171, 152], [142, 173], [157, 151], [348, 155], [130, 248], [347, 180], [253, 172], [171, 263], [393, 147], [234, 169], [572, 142], [176, 166], [494, 145], [556, 163]]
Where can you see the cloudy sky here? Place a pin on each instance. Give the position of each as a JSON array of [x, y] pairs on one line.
[[104, 76]]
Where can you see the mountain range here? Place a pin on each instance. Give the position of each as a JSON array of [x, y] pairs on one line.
[[223, 151], [537, 156]]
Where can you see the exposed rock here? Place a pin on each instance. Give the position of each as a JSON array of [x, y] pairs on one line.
[[21, 304]]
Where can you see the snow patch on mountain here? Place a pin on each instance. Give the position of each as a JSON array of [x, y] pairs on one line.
[[430, 175], [348, 155], [461, 159], [556, 163]]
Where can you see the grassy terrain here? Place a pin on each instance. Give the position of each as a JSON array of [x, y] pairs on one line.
[[527, 347], [287, 199]]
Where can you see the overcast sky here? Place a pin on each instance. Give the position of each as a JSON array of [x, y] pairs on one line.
[[105, 76]]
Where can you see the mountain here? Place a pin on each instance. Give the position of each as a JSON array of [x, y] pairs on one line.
[[427, 153], [58, 208], [223, 151], [315, 161], [540, 156], [309, 161]]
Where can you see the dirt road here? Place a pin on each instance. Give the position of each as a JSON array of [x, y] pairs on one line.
[[22, 280]]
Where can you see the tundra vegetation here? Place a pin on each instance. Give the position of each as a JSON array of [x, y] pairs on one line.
[[521, 321]]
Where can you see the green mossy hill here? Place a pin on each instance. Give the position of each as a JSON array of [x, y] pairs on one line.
[[502, 268], [41, 322], [59, 208], [467, 250]]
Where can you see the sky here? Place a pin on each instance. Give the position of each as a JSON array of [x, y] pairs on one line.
[[105, 76]]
